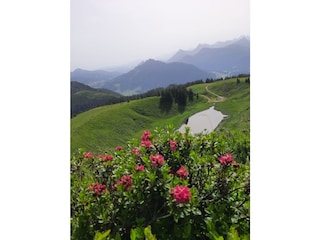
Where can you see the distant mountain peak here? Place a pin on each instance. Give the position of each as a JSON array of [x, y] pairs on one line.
[[182, 54], [154, 74], [151, 61]]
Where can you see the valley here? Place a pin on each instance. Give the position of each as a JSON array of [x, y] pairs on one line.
[[106, 127]]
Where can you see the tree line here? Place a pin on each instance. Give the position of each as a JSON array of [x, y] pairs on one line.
[[178, 94], [175, 94]]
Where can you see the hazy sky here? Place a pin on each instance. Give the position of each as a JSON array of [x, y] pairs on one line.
[[108, 33]]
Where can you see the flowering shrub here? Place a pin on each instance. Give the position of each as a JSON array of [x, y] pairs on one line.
[[146, 139], [156, 160], [97, 188], [181, 194], [105, 158], [125, 181], [179, 185], [118, 148], [88, 155], [173, 145], [182, 172], [139, 168], [226, 159]]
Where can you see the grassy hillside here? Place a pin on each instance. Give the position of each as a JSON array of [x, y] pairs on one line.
[[236, 103], [108, 126], [84, 97]]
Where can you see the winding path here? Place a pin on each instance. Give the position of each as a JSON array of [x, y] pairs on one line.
[[218, 99]]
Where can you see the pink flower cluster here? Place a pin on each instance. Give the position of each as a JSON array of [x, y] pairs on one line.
[[88, 155], [156, 160], [181, 194], [182, 172], [126, 181], [226, 159], [173, 145], [145, 139], [105, 158], [97, 188], [135, 151], [118, 148], [139, 168]]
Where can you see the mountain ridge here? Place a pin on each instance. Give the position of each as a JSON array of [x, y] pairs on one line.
[[154, 74], [229, 58], [221, 59], [220, 44]]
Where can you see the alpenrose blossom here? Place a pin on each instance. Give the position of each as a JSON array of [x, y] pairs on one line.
[[88, 155], [135, 151], [146, 136], [146, 140], [182, 172], [118, 148], [139, 168], [105, 158], [97, 188], [226, 159], [156, 160], [173, 145], [146, 144], [126, 181], [181, 194]]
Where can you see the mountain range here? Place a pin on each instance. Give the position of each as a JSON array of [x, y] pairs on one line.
[[227, 58], [182, 53], [94, 78], [154, 74], [232, 57]]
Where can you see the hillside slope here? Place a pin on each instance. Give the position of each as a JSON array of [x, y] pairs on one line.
[[84, 97], [105, 127]]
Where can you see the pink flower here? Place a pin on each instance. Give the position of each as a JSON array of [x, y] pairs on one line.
[[105, 158], [226, 159], [182, 172], [181, 194], [126, 181], [145, 139], [97, 188], [173, 145], [139, 168], [156, 160], [146, 144], [146, 136], [135, 151], [118, 148], [88, 155]]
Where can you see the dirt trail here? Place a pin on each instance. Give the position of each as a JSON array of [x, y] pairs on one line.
[[217, 99]]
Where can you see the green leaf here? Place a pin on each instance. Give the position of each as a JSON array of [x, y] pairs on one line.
[[118, 237], [102, 236], [196, 211], [133, 235], [136, 233], [186, 231], [233, 234], [148, 234]]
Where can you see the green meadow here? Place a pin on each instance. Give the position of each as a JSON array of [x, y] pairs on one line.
[[236, 102], [103, 128]]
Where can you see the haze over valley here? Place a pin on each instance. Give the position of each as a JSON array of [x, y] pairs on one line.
[[221, 59]]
